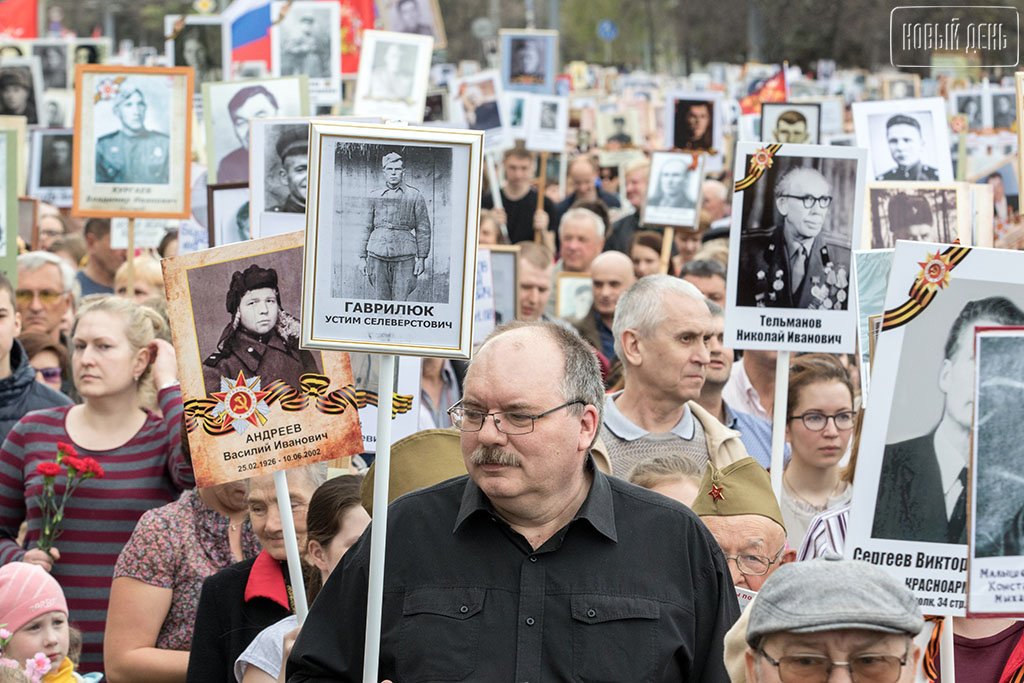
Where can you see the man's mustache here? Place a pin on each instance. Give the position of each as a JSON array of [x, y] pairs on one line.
[[492, 455]]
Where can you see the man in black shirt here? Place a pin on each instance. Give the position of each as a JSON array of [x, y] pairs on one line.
[[535, 566], [519, 200]]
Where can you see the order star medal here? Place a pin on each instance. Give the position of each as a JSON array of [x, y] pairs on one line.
[[934, 273], [241, 403]]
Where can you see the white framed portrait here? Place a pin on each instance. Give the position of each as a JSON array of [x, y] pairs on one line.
[[21, 80], [195, 40], [504, 281], [791, 122], [673, 190], [620, 128], [529, 60], [694, 123], [416, 17], [515, 105], [547, 123], [436, 109], [58, 109], [391, 232], [50, 158], [228, 209], [911, 497], [393, 75], [796, 217], [278, 174], [133, 136], [477, 103], [918, 212], [228, 109], [1002, 105], [906, 139], [55, 55], [304, 40], [91, 51], [900, 86], [574, 295]]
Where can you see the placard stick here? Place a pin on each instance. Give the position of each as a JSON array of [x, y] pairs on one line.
[[378, 529], [1019, 80], [946, 651], [490, 166], [779, 420], [291, 545], [667, 236], [131, 257], [542, 182]]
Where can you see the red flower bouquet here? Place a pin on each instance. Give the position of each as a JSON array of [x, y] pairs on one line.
[[51, 504]]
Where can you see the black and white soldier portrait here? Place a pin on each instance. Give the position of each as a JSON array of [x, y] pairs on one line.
[[409, 18], [260, 337], [1004, 112], [901, 211], [791, 122], [528, 61], [137, 152], [53, 59], [906, 145], [305, 43], [906, 139], [549, 115], [389, 248], [286, 168], [394, 68], [55, 161], [673, 190], [20, 91]]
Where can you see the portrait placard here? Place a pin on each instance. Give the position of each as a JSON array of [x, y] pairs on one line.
[[900, 86], [477, 103], [529, 60], [91, 51], [278, 174], [21, 81], [393, 75], [228, 209], [58, 109], [418, 17], [9, 209], [909, 507], [791, 122], [255, 402], [1003, 108], [228, 109], [547, 123], [996, 513], [54, 58], [195, 40], [405, 399], [505, 279], [483, 299], [917, 211], [50, 165], [673, 191], [305, 40], [515, 105], [620, 128], [436, 109], [149, 232], [133, 136], [574, 295], [906, 139], [391, 230], [972, 104], [797, 214], [694, 123], [870, 277]]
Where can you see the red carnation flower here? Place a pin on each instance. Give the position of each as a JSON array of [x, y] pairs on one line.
[[65, 449], [74, 463], [48, 469], [93, 468]]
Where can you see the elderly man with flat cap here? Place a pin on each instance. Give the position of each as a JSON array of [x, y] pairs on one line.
[[293, 151], [261, 339], [814, 618], [395, 241], [132, 154], [903, 133]]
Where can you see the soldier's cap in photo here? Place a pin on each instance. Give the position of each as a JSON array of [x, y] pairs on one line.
[[389, 158], [903, 120], [247, 280], [292, 141], [14, 77], [126, 90], [909, 210], [308, 18]]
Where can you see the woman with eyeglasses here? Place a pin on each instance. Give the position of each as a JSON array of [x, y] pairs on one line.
[[819, 424], [116, 359]]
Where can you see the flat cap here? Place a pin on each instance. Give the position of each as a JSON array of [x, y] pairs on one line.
[[828, 594], [14, 77], [909, 209]]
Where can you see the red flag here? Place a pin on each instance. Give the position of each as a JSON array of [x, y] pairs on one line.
[[356, 15], [766, 90], [19, 18]]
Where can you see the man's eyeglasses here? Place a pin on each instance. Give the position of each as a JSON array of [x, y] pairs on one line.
[[50, 374], [48, 297], [511, 423], [809, 201], [810, 668], [816, 421], [755, 565]]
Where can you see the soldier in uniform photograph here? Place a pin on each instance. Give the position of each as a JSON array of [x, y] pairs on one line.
[[392, 72], [292, 149], [619, 134], [792, 266], [16, 95], [261, 339], [906, 143], [527, 65], [676, 186], [911, 218], [304, 50], [410, 20], [395, 242], [53, 59], [693, 125], [132, 154], [55, 161], [549, 115]]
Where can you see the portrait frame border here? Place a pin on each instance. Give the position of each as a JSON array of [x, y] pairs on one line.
[[35, 142], [211, 190], [963, 211], [934, 106], [362, 104], [551, 63], [695, 158], [506, 249], [473, 142], [8, 259], [565, 277]]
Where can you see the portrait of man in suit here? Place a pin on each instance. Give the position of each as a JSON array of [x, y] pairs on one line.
[[921, 490], [792, 265]]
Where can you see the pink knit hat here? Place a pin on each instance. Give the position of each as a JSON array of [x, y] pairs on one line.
[[27, 591]]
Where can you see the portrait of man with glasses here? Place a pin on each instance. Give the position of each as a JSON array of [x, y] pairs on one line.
[[802, 260]]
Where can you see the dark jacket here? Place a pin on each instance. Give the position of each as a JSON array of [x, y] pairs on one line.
[[271, 356], [911, 505], [21, 393], [226, 622]]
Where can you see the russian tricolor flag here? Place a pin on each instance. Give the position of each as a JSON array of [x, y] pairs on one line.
[[247, 31]]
